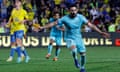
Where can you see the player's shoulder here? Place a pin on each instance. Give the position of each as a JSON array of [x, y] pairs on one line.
[[13, 9], [64, 17], [51, 19], [80, 15], [23, 10]]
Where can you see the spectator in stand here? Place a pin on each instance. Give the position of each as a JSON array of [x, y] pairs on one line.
[[57, 2], [3, 7], [3, 23], [94, 4], [104, 11], [30, 14], [112, 14], [118, 26], [47, 12], [95, 14], [44, 21], [117, 19], [2, 29], [111, 27]]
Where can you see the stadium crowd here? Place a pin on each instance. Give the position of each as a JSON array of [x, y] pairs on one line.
[[105, 14]]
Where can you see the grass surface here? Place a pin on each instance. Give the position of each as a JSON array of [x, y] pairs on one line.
[[99, 59]]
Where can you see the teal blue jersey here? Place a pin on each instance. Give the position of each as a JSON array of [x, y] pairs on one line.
[[73, 25], [72, 31], [54, 31]]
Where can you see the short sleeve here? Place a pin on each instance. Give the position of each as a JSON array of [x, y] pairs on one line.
[[25, 15], [84, 19], [61, 20]]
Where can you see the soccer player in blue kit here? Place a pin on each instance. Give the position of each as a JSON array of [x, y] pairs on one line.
[[55, 36], [73, 22]]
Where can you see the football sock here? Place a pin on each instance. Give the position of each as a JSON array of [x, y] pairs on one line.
[[24, 51], [50, 49], [19, 51], [12, 51], [74, 53], [82, 60], [57, 52]]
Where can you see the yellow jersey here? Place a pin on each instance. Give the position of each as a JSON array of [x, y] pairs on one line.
[[17, 16]]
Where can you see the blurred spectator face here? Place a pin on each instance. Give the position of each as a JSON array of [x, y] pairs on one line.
[[73, 11], [17, 3]]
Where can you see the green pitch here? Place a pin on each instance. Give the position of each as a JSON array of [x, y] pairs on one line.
[[99, 59]]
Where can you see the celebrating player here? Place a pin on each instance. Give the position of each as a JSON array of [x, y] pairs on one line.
[[73, 23], [55, 36], [17, 19]]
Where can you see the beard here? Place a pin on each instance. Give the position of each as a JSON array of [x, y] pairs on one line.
[[72, 15]]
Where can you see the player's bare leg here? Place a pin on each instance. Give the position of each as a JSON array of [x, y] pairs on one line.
[[49, 49], [19, 45]]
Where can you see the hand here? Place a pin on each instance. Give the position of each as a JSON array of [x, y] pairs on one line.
[[106, 35], [41, 28], [7, 25], [36, 30]]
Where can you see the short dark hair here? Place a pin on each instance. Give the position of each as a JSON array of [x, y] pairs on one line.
[[73, 5], [20, 0], [17, 0], [56, 12]]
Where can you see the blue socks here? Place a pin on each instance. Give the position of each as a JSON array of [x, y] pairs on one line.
[[82, 60], [12, 52], [19, 51]]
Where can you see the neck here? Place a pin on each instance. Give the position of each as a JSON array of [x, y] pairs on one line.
[[18, 8]]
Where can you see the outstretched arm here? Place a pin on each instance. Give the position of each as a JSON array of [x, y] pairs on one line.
[[104, 34], [49, 25]]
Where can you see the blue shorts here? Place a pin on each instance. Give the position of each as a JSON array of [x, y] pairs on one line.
[[12, 38], [78, 43], [57, 39], [17, 35]]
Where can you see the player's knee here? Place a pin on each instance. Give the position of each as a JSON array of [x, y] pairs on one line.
[[19, 42], [51, 40], [73, 47], [13, 44]]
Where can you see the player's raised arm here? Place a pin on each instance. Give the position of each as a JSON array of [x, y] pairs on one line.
[[104, 34]]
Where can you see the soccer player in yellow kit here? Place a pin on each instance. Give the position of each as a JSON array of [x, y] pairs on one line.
[[18, 17]]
